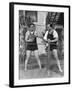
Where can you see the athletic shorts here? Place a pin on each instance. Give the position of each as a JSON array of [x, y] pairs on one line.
[[53, 47], [31, 46]]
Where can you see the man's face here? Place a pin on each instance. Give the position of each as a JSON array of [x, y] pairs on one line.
[[31, 28], [48, 27]]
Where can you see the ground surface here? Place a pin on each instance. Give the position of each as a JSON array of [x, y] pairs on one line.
[[49, 68]]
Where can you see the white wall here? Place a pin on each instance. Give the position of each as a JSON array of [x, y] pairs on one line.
[[41, 28], [42, 17]]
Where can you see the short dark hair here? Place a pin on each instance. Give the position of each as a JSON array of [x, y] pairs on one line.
[[31, 24], [51, 25]]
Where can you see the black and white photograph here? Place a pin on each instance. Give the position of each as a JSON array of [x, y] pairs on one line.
[[41, 46]]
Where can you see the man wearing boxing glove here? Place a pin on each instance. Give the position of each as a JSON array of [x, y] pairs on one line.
[[31, 45], [51, 37]]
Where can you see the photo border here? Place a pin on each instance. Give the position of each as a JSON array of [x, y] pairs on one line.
[[11, 42]]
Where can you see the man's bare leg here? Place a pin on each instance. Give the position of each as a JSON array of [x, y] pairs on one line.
[[37, 58], [27, 58]]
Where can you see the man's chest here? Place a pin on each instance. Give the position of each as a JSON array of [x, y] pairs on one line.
[[50, 36]]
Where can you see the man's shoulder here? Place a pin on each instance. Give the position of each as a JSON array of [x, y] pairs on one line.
[[27, 32], [54, 31], [47, 31]]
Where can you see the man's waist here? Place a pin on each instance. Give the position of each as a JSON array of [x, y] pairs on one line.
[[56, 42]]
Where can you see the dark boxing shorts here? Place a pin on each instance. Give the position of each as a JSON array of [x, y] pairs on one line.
[[52, 47], [31, 46]]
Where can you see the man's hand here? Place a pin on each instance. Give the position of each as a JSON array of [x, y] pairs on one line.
[[29, 40], [49, 41]]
